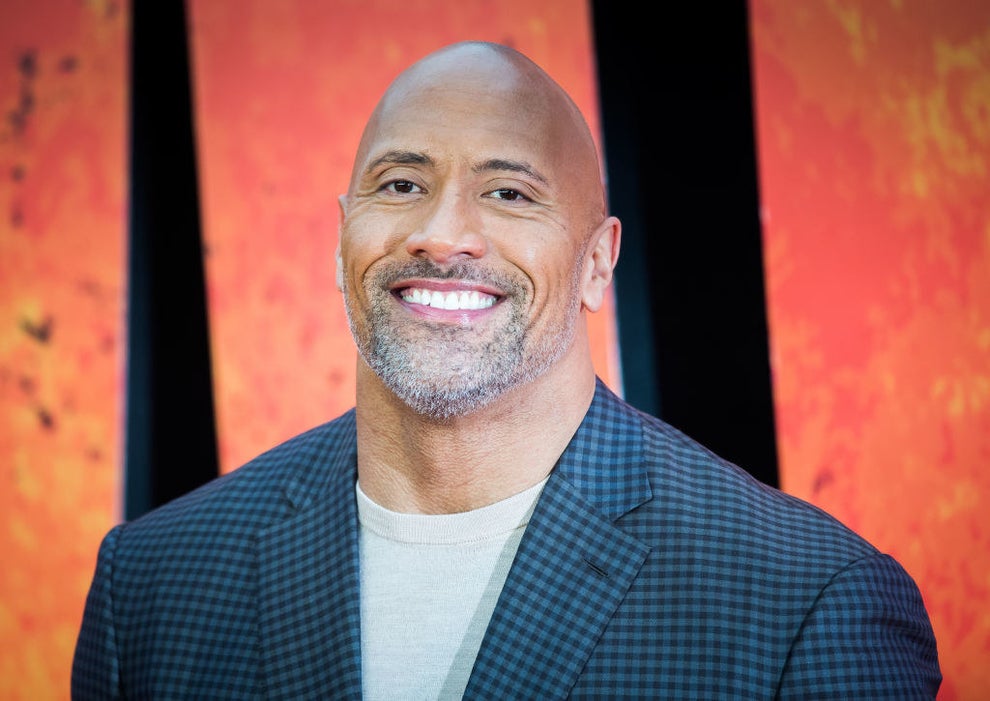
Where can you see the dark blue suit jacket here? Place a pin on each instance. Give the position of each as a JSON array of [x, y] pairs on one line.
[[650, 569]]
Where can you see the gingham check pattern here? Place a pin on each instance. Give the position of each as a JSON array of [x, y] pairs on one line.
[[651, 569]]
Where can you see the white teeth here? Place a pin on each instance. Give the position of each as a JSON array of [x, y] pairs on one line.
[[452, 301]]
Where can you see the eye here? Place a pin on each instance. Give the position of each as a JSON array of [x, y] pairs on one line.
[[402, 187], [508, 195]]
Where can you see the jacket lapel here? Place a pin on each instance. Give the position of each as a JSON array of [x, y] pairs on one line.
[[309, 606], [573, 566], [572, 569]]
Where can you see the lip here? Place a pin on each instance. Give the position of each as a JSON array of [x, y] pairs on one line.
[[445, 286]]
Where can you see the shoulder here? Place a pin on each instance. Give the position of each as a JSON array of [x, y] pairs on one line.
[[267, 488], [701, 496]]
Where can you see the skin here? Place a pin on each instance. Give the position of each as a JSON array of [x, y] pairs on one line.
[[475, 173]]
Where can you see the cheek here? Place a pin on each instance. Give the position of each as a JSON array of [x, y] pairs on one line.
[[551, 268], [359, 250], [543, 253], [368, 235]]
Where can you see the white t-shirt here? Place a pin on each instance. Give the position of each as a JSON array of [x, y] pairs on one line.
[[429, 584]]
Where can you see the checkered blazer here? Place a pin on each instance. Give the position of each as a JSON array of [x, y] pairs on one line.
[[651, 569]]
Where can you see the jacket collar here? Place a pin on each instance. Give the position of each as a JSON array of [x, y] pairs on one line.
[[598, 460], [574, 564], [309, 609], [572, 569]]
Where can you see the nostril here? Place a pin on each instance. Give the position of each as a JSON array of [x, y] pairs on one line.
[[446, 245]]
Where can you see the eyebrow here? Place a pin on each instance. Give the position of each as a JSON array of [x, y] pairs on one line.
[[400, 157], [509, 165], [397, 157]]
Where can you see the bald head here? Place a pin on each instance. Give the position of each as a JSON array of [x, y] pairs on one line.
[[475, 85], [474, 234]]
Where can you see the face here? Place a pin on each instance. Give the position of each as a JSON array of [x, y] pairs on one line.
[[463, 241]]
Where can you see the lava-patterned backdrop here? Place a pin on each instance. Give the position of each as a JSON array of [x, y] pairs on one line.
[[63, 102], [874, 149], [873, 123]]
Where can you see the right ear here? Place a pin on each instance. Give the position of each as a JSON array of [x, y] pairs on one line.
[[338, 261]]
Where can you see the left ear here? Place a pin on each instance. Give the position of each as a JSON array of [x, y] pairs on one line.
[[600, 262]]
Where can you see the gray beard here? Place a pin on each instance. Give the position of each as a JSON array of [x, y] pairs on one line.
[[443, 371]]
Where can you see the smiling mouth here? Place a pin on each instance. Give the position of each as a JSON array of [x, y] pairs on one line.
[[453, 300]]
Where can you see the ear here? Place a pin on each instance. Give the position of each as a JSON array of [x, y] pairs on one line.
[[600, 263], [339, 268], [338, 261]]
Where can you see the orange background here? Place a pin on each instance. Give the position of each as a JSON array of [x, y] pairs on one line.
[[62, 268], [874, 149], [874, 136]]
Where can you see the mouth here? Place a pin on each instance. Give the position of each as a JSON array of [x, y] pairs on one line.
[[438, 297], [448, 300]]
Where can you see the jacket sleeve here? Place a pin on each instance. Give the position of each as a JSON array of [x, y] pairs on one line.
[[868, 636], [95, 665]]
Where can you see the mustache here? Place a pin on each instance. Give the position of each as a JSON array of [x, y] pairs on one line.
[[459, 270]]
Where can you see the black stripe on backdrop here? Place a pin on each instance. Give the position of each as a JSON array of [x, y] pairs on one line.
[[678, 128], [170, 434]]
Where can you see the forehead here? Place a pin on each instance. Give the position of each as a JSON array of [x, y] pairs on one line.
[[486, 114], [466, 108]]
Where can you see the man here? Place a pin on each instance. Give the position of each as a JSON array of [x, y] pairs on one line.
[[490, 521]]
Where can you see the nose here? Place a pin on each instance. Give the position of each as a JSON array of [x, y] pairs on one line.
[[450, 230]]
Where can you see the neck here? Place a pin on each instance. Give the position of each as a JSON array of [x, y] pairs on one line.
[[411, 463]]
